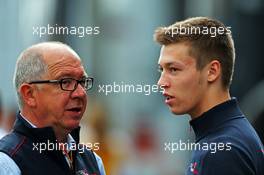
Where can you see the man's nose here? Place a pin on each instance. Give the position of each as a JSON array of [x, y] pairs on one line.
[[79, 91], [163, 81]]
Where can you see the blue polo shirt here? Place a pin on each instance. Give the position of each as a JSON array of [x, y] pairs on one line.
[[226, 143]]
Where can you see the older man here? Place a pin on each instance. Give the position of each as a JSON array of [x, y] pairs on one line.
[[51, 85]]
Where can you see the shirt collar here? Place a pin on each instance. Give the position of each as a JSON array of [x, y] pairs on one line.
[[25, 127], [31, 124], [214, 117], [70, 139]]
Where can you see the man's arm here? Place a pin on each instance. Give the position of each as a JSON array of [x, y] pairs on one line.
[[8, 166]]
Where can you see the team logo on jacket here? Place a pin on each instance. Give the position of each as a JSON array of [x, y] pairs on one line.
[[193, 168]]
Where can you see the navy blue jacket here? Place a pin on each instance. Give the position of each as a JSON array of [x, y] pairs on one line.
[[228, 143], [20, 146]]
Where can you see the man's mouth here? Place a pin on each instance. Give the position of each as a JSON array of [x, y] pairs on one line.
[[75, 109], [168, 98]]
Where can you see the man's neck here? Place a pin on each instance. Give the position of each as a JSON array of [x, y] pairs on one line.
[[211, 100], [31, 118], [61, 135]]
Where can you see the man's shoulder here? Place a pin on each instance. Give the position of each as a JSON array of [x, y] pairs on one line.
[[237, 130], [11, 143], [212, 161], [228, 155], [232, 161], [236, 140]]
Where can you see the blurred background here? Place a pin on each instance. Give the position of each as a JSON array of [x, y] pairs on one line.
[[132, 128]]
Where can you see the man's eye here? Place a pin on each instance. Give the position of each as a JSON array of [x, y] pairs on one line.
[[83, 82], [173, 69], [160, 69], [66, 81]]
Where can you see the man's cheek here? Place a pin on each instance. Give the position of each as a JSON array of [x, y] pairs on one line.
[[85, 102]]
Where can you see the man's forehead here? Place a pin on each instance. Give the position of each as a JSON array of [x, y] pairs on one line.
[[66, 67], [66, 73], [175, 54], [62, 61], [73, 74], [176, 48]]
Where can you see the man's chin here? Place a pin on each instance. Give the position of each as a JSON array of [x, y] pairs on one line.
[[72, 125], [177, 111]]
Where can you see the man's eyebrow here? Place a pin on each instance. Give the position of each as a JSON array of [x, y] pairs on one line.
[[85, 75], [70, 76], [167, 64], [63, 76]]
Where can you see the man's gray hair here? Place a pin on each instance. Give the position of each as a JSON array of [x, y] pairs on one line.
[[30, 66]]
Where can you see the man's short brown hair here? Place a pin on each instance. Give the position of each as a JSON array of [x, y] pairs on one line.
[[209, 40]]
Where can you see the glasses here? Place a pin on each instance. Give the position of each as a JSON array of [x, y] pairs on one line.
[[69, 84]]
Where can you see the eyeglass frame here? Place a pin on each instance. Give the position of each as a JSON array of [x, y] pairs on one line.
[[61, 80]]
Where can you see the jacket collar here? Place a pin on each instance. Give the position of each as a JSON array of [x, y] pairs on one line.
[[40, 134], [216, 116]]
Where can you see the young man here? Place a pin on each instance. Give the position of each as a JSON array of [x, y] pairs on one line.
[[196, 63], [51, 85]]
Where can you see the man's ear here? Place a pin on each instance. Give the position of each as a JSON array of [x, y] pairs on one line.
[[27, 93], [214, 70]]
